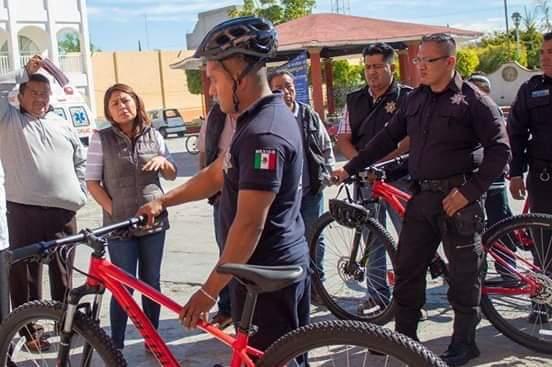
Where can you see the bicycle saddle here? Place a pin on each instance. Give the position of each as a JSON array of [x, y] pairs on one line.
[[263, 278]]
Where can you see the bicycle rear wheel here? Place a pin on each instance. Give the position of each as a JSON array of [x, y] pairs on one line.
[[192, 144], [348, 343], [342, 280], [517, 293], [30, 336]]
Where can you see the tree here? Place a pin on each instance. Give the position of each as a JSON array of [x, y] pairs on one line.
[[467, 61], [277, 11], [346, 78], [71, 43], [193, 78]]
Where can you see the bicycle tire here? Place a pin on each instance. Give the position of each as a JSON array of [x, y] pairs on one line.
[[342, 307], [48, 310], [340, 333], [509, 313], [191, 144]]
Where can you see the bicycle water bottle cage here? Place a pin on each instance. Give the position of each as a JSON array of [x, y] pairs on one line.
[[348, 214]]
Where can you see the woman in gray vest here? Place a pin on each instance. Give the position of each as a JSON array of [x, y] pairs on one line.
[[125, 162]]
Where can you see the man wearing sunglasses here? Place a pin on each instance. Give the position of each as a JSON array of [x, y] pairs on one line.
[[458, 146]]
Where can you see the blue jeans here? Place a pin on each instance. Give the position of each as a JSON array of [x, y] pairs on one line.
[[376, 268], [143, 254], [312, 207], [224, 305]]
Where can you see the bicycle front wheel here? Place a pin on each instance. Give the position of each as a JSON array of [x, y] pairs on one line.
[[30, 336], [517, 287], [353, 269], [348, 343], [192, 144]]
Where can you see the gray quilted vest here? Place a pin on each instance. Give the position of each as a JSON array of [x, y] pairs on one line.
[[128, 186]]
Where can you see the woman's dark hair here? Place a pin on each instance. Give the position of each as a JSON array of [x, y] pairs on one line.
[[142, 120]]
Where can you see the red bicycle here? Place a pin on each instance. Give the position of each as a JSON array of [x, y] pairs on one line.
[[515, 287], [72, 336]]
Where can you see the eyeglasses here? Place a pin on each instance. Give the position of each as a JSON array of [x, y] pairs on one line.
[[425, 60]]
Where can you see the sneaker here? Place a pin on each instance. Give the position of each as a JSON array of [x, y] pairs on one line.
[[370, 307], [316, 300], [221, 320]]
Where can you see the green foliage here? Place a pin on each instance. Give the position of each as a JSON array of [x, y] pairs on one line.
[[467, 61], [71, 43], [277, 11], [193, 78], [346, 78]]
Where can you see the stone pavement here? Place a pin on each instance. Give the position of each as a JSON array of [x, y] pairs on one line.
[[190, 254]]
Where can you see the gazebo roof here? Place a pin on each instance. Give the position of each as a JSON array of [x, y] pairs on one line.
[[338, 34]]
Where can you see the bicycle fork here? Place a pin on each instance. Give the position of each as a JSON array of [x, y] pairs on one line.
[[73, 305]]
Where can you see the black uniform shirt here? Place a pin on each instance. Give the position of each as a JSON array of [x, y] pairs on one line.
[[367, 116], [531, 116], [266, 154], [449, 132]]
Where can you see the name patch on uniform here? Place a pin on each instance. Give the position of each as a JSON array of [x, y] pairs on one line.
[[265, 159], [540, 93]]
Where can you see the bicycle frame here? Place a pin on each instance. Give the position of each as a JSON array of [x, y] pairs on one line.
[[395, 198], [102, 273]]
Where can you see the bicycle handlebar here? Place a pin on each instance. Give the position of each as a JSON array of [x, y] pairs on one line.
[[378, 168], [40, 248]]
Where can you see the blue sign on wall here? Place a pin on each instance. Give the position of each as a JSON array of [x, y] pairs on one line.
[[299, 68]]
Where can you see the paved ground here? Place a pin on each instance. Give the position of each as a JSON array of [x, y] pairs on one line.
[[190, 254]]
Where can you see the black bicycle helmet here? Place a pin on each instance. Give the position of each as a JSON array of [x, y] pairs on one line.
[[249, 35]]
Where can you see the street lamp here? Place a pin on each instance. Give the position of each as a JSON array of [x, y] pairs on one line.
[[516, 18]]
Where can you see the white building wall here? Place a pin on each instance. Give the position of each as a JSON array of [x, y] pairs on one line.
[[43, 21], [505, 82]]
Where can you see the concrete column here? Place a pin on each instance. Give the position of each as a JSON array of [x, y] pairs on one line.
[[86, 56], [414, 75], [328, 71], [404, 66], [53, 52], [13, 44], [316, 79]]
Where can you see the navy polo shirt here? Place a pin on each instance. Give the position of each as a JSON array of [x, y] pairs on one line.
[[266, 154]]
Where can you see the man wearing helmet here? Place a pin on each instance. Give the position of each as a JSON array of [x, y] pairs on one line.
[[260, 179]]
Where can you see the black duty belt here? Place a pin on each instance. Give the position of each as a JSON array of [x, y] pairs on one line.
[[442, 185]]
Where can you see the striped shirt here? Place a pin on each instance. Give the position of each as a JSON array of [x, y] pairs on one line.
[[94, 165]]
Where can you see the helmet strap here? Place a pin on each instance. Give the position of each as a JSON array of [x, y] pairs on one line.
[[237, 81]]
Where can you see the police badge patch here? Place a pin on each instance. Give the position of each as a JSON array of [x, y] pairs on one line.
[[458, 98], [390, 107]]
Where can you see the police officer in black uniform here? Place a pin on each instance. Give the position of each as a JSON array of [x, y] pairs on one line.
[[458, 146], [530, 131], [260, 178], [368, 110]]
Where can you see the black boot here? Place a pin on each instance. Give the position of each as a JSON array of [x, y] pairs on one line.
[[459, 354]]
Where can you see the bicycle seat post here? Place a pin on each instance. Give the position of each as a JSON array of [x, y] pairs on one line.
[[246, 321]]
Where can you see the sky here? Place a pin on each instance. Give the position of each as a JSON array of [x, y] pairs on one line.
[[118, 25]]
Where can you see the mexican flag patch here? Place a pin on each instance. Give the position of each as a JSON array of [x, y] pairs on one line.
[[265, 159]]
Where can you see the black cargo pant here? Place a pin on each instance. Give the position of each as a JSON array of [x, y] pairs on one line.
[[29, 224], [425, 226], [539, 188]]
